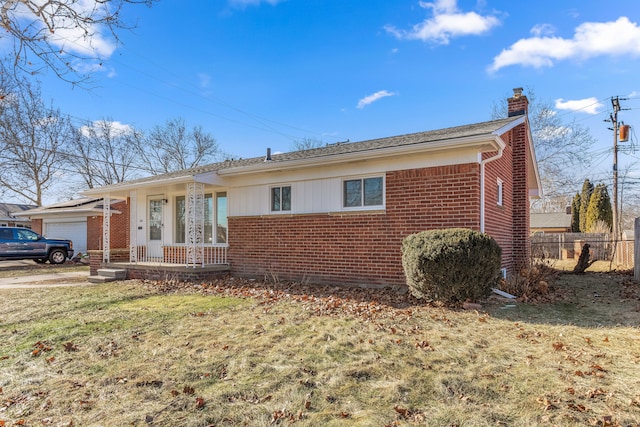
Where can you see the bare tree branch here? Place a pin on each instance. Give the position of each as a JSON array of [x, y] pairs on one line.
[[61, 34], [561, 149], [101, 153], [173, 147], [32, 138]]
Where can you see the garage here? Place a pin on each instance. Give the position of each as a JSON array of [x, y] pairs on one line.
[[75, 231], [67, 220]]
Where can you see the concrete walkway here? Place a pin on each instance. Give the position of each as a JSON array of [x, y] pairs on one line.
[[71, 278]]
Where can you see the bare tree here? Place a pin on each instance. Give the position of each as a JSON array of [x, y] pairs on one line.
[[60, 34], [307, 144], [32, 138], [561, 149], [101, 153], [172, 147]]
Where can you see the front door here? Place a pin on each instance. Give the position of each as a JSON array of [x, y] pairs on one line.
[[155, 228]]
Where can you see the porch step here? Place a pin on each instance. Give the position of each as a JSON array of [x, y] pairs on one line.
[[108, 275], [114, 273], [100, 279]]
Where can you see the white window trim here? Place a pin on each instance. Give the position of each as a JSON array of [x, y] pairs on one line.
[[281, 211], [363, 207], [500, 192]]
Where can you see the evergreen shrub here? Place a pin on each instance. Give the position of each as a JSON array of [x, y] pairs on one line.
[[451, 265]]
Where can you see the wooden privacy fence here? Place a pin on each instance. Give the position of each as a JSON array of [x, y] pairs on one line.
[[569, 246]]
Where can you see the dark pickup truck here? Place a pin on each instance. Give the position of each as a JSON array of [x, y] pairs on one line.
[[22, 243]]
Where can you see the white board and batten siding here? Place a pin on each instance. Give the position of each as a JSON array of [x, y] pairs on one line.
[[314, 196], [319, 189]]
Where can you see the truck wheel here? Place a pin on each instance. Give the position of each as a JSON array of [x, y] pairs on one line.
[[57, 256]]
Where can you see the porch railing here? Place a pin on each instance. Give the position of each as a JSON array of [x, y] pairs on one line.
[[177, 255]]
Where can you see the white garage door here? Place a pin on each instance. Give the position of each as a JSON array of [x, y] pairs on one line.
[[74, 231]]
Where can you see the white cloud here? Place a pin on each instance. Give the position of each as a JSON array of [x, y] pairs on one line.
[[68, 36], [590, 40], [587, 105], [447, 22], [374, 97], [543, 30]]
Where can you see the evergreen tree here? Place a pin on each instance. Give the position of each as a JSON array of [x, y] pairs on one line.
[[575, 213], [599, 209], [585, 196]]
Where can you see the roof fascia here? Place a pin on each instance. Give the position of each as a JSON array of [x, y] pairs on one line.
[[484, 143], [125, 187], [537, 191], [62, 212]]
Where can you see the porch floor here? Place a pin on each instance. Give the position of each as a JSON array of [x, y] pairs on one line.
[[167, 271]]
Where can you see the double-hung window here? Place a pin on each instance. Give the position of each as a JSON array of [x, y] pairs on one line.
[[363, 192], [281, 198]]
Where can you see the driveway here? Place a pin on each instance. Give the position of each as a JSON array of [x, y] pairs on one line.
[[39, 278]]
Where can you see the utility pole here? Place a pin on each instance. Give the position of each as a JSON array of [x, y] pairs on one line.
[[615, 102], [613, 118]]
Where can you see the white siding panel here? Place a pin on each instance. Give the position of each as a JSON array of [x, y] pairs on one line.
[[248, 201]]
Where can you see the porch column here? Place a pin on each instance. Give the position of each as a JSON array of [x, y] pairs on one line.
[[133, 226], [106, 229], [194, 218]]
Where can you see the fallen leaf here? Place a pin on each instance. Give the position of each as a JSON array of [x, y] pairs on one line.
[[70, 347], [402, 411], [579, 407], [199, 403]]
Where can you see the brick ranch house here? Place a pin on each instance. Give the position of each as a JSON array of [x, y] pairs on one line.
[[335, 214]]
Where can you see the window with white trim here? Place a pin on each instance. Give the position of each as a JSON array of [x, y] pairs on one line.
[[500, 189], [281, 198], [215, 211], [363, 192]]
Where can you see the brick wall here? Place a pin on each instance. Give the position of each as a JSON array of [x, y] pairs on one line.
[[357, 248], [520, 191], [36, 225], [120, 225], [499, 218]]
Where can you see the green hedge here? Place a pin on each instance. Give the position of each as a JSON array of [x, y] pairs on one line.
[[451, 265]]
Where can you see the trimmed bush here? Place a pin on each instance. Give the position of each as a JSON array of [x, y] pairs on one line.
[[451, 265]]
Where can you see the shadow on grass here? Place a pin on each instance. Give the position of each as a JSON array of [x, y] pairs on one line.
[[592, 300], [587, 300]]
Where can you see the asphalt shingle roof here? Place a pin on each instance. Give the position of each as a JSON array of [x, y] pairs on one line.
[[476, 129]]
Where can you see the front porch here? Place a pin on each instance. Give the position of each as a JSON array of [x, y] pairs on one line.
[[173, 266]]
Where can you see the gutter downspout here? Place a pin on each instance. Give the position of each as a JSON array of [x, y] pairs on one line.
[[482, 184]]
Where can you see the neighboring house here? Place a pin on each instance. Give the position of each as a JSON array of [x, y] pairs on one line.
[[9, 215], [550, 222], [69, 220], [335, 214]]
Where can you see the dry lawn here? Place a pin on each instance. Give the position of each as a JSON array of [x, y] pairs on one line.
[[238, 353]]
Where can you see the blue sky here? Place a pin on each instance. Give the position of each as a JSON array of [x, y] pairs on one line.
[[263, 73]]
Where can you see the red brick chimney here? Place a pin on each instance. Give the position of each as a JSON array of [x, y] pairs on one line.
[[519, 105]]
